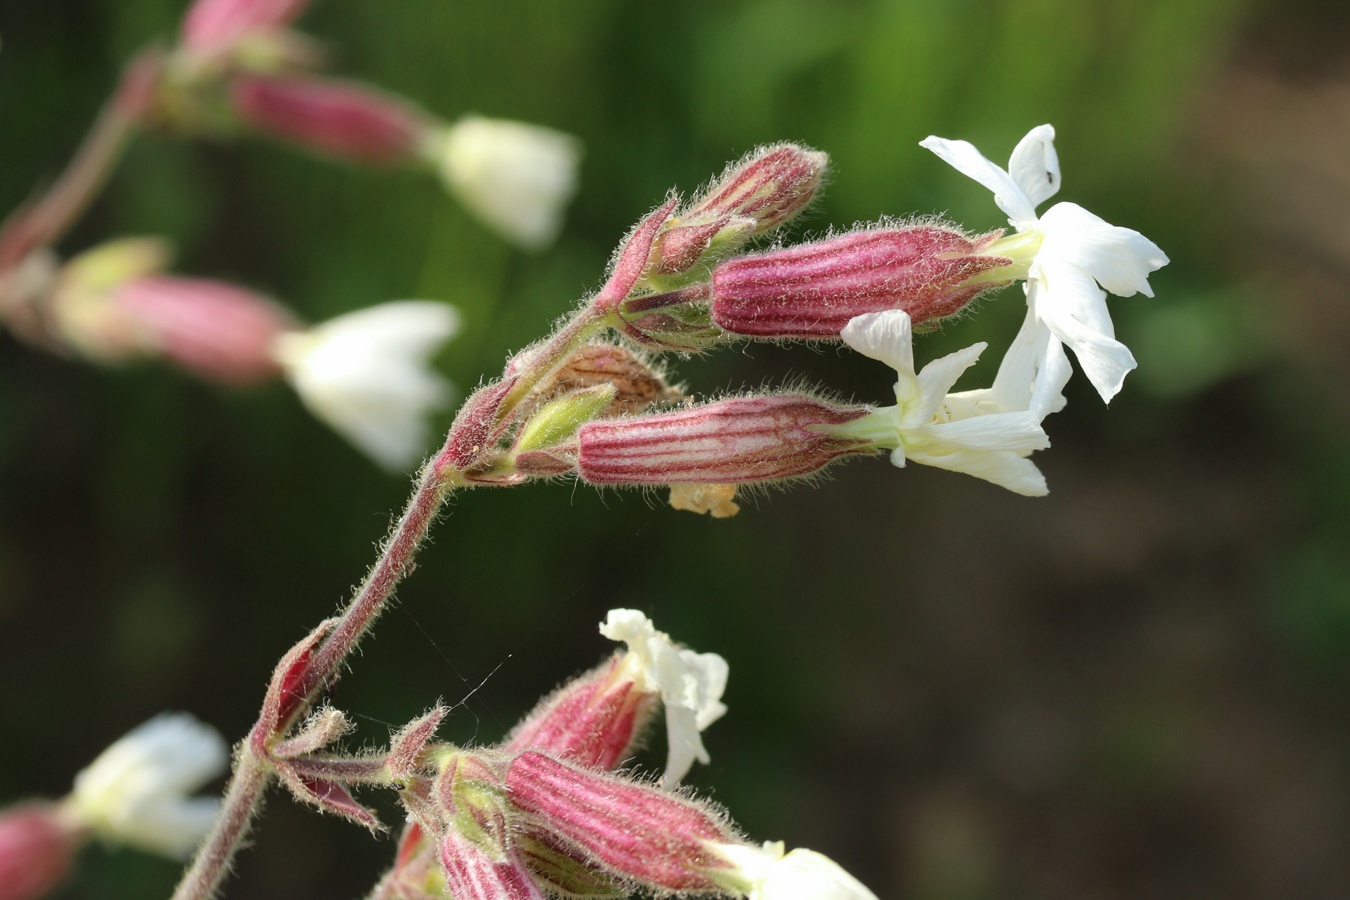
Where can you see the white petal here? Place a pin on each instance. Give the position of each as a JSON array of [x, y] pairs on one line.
[[1120, 259], [135, 792], [884, 336], [1035, 165], [1003, 468], [937, 379], [517, 177], [690, 685], [1052, 375], [1074, 309], [366, 374], [962, 156], [1019, 432], [764, 873]]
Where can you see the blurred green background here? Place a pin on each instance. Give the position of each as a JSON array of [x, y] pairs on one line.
[[1136, 687]]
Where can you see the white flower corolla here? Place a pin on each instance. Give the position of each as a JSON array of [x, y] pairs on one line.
[[925, 427], [690, 685], [515, 177], [367, 375], [1071, 257], [765, 873], [136, 792]]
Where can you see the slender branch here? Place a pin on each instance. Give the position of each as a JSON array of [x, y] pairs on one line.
[[49, 219], [242, 800], [437, 479]]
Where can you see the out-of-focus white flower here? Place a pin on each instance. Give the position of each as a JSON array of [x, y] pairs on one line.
[[514, 176], [765, 873], [367, 375], [690, 685], [136, 792], [1069, 256], [924, 427]]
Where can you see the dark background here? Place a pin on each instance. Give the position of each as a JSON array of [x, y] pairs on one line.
[[1136, 687]]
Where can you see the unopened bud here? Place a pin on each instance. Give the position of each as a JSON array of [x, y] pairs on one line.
[[37, 844], [812, 290], [770, 186], [593, 720], [218, 24], [635, 831], [744, 439], [339, 118], [753, 196]]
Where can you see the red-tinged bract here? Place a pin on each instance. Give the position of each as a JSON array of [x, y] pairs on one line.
[[219, 24], [812, 290]]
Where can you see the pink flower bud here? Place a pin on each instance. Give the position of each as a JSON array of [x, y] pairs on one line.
[[212, 329], [732, 441], [632, 830], [592, 720], [36, 848], [769, 186], [334, 117], [473, 873], [218, 24], [813, 290]]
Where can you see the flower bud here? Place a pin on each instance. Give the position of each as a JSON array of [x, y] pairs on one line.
[[630, 829], [37, 844], [812, 290], [770, 186], [593, 720], [744, 439], [218, 24], [338, 118]]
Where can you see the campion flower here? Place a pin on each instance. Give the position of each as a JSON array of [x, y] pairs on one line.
[[136, 792], [765, 873], [367, 375], [690, 685], [924, 427], [1070, 258], [515, 177]]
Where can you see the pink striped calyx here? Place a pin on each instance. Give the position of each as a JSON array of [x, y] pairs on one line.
[[734, 441], [812, 290]]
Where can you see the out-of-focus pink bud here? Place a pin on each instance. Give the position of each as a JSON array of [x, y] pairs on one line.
[[633, 830], [212, 329], [218, 24], [744, 439], [592, 720], [813, 290], [339, 118], [37, 844]]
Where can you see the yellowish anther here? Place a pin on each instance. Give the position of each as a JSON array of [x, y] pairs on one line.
[[717, 500]]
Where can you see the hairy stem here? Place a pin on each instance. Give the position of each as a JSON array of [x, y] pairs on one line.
[[437, 479], [63, 203]]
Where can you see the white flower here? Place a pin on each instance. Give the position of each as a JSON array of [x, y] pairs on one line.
[[925, 427], [366, 374], [764, 873], [516, 177], [1075, 254], [136, 792], [690, 685]]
